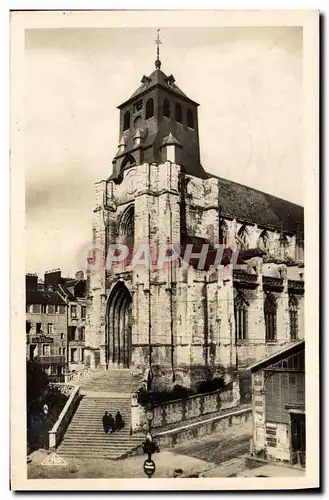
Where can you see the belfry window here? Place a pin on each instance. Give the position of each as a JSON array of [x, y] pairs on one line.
[[138, 106], [166, 108], [190, 118], [293, 317], [270, 318], [241, 317], [178, 113], [149, 108], [126, 120]]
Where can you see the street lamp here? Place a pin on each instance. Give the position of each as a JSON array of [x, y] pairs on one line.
[[149, 445]]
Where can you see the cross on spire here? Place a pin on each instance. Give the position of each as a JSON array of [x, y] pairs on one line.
[[158, 42]]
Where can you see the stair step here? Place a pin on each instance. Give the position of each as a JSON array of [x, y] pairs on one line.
[[85, 436]]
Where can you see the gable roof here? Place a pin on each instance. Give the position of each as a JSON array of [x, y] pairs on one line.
[[285, 352], [247, 204]]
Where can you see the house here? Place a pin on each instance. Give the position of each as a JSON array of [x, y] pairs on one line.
[[46, 328], [278, 407]]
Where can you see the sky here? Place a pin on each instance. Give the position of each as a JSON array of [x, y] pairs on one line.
[[248, 82]]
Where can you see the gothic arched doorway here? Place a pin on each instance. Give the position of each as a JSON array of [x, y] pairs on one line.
[[118, 326]]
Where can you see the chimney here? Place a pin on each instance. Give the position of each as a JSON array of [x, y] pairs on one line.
[[31, 281], [53, 278]]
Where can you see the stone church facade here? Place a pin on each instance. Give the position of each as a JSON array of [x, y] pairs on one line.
[[181, 323]]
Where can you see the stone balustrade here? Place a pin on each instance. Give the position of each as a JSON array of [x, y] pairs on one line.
[[58, 430]]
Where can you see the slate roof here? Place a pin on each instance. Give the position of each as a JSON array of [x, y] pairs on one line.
[[44, 297], [170, 139], [157, 78], [250, 205]]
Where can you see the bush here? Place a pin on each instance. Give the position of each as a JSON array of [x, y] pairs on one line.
[[158, 397], [178, 392], [210, 385]]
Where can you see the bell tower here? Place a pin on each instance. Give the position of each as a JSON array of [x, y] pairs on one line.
[[156, 116]]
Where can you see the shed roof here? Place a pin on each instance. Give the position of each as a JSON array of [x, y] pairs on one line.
[[289, 349]]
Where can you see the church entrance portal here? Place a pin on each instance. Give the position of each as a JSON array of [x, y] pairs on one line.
[[118, 326]]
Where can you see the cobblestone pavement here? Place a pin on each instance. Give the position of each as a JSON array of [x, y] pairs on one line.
[[215, 449]]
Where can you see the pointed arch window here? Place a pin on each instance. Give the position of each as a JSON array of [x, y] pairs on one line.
[[223, 232], [178, 113], [270, 318], [241, 317], [127, 230], [149, 108], [190, 118], [126, 120], [128, 222], [293, 317], [263, 240], [242, 238], [166, 108]]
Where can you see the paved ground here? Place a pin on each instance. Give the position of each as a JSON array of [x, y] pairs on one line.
[[166, 463], [215, 450], [197, 457]]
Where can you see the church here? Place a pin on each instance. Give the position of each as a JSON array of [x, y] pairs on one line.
[[182, 324]]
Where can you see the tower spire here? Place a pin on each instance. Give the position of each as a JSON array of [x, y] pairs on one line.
[[158, 42]]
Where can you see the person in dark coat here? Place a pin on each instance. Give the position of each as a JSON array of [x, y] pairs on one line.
[[119, 423], [111, 424], [106, 422]]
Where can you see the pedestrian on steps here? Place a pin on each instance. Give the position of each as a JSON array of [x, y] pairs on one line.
[[111, 424], [119, 423], [106, 422]]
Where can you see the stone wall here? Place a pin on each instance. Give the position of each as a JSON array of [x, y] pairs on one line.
[[182, 410], [241, 420]]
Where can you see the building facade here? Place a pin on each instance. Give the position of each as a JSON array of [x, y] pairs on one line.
[[278, 407], [74, 293], [46, 328], [55, 322], [179, 322]]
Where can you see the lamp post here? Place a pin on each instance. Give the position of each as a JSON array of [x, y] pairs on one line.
[[149, 446]]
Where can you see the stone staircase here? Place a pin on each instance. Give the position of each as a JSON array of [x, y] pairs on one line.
[[118, 380], [85, 438]]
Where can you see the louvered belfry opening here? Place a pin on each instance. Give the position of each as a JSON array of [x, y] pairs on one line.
[[118, 327]]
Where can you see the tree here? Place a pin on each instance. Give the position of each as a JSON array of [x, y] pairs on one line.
[[36, 381]]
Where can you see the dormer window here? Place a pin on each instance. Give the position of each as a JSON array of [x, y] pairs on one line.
[[190, 118], [170, 80], [138, 105], [178, 113], [149, 108], [126, 120]]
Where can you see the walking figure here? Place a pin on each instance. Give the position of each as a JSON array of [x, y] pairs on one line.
[[106, 422], [119, 423]]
